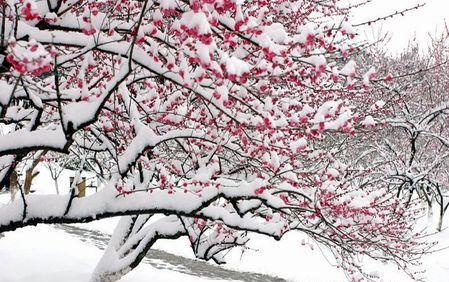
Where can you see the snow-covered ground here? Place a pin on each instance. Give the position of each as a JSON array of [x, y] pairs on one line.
[[46, 253], [288, 258]]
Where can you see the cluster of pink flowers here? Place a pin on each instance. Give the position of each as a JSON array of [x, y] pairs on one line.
[[30, 57], [29, 10]]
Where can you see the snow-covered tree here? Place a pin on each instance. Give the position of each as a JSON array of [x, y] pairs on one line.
[[205, 118], [416, 139]]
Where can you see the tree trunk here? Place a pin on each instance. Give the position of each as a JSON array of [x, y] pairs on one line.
[[130, 242], [430, 214], [29, 175], [56, 186], [13, 185], [28, 181], [440, 218], [440, 223], [82, 188]]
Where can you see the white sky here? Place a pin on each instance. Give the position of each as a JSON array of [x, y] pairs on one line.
[[427, 19]]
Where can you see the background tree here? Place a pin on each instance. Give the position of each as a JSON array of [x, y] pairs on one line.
[[412, 141], [56, 163]]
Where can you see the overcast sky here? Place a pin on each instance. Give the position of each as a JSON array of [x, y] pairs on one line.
[[420, 22]]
